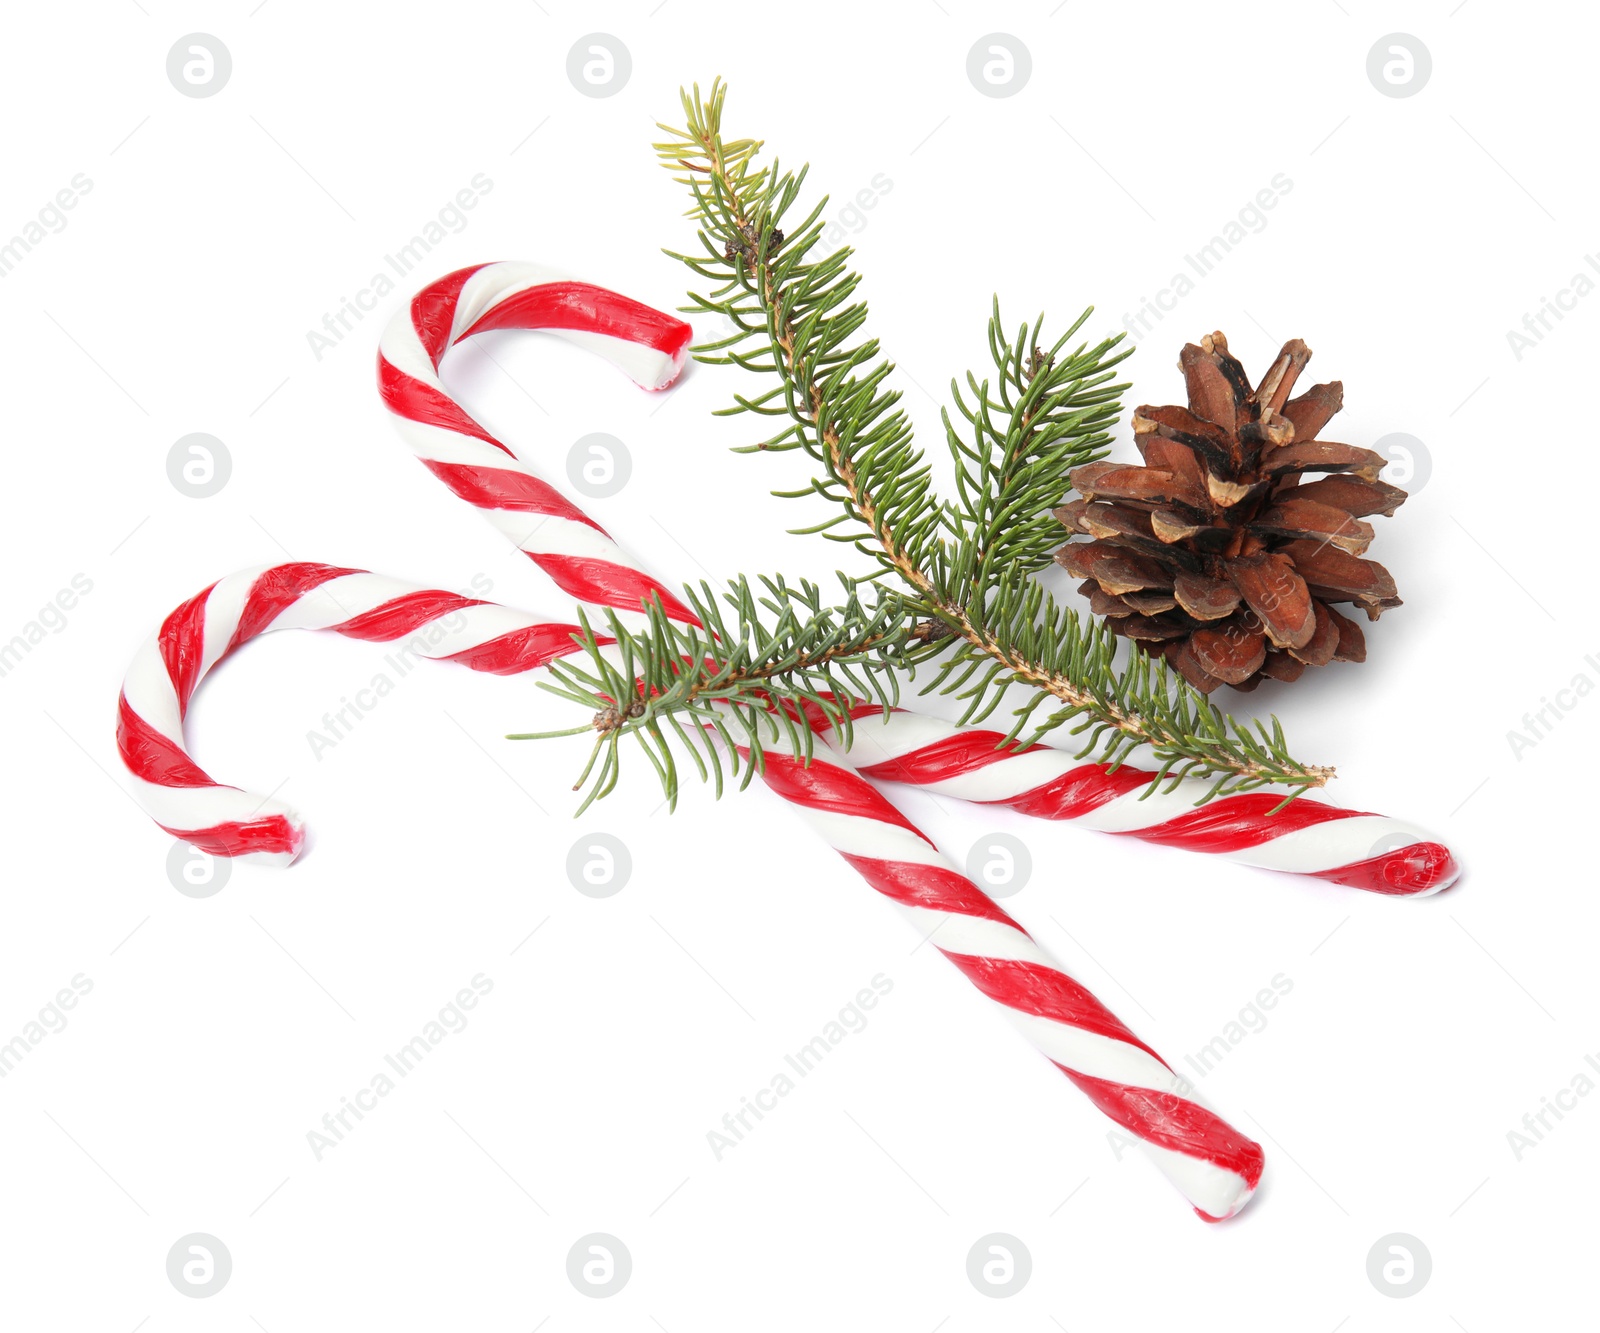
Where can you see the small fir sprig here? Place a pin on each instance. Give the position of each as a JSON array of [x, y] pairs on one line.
[[956, 577], [760, 667]]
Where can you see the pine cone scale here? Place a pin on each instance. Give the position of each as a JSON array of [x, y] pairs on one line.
[[1205, 598], [1314, 409], [1279, 597], [1323, 644], [1278, 383], [1232, 655], [1352, 640], [1325, 456], [1359, 499], [1212, 394], [1300, 517]]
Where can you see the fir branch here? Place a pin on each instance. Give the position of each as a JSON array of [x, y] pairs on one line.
[[966, 565], [760, 666], [949, 579], [1049, 415]]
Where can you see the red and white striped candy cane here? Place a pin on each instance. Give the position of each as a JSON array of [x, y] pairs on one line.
[[1308, 837], [1213, 1164], [650, 347], [1364, 851], [227, 821]]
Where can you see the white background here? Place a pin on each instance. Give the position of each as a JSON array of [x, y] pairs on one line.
[[218, 1032]]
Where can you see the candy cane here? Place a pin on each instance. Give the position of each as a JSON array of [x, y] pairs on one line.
[[1307, 837], [1213, 1164], [575, 551], [227, 821]]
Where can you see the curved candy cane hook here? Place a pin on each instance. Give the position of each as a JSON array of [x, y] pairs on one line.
[[646, 345], [227, 821]]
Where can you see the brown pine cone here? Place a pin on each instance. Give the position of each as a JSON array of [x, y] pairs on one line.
[[1213, 554]]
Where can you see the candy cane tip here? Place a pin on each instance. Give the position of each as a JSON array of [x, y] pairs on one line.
[[272, 860], [666, 372], [1232, 1212], [1418, 870], [1225, 1203], [1229, 1197], [275, 840]]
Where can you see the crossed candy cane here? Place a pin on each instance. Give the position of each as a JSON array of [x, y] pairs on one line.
[[1212, 1164]]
